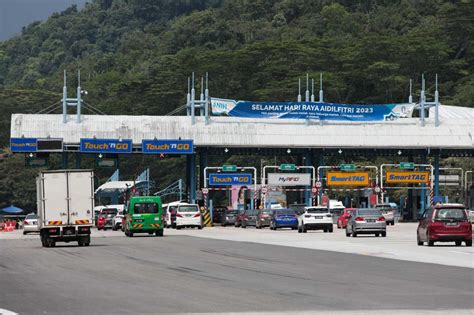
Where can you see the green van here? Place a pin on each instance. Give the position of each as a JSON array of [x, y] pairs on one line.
[[144, 214]]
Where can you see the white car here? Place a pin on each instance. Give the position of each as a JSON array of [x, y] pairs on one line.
[[388, 212], [188, 215], [315, 218], [30, 224], [118, 221], [170, 212]]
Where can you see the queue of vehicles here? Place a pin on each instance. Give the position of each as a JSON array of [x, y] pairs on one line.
[[66, 212]]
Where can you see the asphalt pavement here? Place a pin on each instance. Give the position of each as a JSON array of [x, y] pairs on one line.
[[185, 274]]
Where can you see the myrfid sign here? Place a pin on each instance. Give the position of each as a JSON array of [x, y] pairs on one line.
[[289, 179], [312, 110]]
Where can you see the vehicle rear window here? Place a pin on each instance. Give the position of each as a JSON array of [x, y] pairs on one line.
[[451, 214], [31, 217], [141, 208], [368, 212], [188, 209], [109, 211], [285, 212], [315, 210]]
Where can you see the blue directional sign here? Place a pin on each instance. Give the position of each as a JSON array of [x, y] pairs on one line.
[[23, 144], [106, 145], [167, 146], [229, 179]]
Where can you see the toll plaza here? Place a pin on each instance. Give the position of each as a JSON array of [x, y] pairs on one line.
[[314, 133]]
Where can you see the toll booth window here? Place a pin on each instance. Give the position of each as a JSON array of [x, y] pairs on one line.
[[141, 208]]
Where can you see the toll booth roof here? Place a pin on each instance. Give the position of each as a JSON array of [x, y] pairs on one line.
[[115, 186], [455, 131]]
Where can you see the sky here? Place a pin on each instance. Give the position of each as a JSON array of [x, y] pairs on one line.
[[14, 14]]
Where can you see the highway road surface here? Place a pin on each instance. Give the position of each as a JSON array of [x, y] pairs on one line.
[[186, 274]]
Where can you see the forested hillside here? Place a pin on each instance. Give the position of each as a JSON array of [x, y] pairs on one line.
[[135, 55]]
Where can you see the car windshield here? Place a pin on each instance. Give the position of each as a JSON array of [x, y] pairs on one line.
[[141, 208], [109, 211], [285, 212], [31, 217], [232, 212], [188, 209], [316, 210], [252, 212], [451, 214], [368, 212]]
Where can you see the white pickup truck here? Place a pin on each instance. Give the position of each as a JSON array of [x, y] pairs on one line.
[[65, 201]]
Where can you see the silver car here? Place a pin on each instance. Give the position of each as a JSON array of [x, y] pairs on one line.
[[366, 221], [30, 224]]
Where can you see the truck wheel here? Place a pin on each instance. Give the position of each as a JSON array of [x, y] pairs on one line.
[[80, 242], [130, 234], [87, 240], [159, 233], [384, 234], [331, 229]]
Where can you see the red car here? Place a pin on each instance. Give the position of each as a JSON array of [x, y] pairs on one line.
[[344, 217], [238, 218], [445, 223]]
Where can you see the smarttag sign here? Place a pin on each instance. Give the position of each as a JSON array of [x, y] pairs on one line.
[[408, 177], [347, 179], [23, 144], [167, 146], [289, 179], [106, 145], [229, 179]]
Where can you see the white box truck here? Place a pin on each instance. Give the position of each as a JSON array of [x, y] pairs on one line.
[[65, 201]]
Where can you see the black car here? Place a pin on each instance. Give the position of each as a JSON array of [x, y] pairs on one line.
[[228, 217], [217, 214]]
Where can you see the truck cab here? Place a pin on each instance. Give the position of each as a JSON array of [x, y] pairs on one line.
[[144, 214]]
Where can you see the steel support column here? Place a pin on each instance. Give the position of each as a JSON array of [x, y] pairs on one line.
[[191, 176], [78, 160], [203, 158], [65, 160], [321, 163], [307, 157], [436, 174], [423, 191]]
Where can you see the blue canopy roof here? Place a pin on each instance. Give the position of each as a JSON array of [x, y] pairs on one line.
[[12, 209]]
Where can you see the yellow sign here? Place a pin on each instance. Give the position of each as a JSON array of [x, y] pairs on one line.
[[408, 177], [347, 179]]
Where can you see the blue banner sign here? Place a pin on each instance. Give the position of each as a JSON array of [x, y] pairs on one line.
[[23, 144], [106, 145], [229, 179], [167, 146], [311, 110]]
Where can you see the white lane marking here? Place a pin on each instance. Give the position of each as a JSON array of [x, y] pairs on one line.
[[7, 312]]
